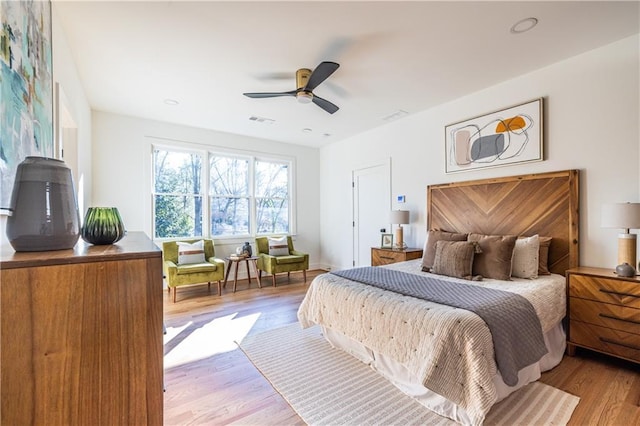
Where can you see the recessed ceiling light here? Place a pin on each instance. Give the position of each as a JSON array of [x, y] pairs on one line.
[[171, 101], [524, 25], [307, 130]]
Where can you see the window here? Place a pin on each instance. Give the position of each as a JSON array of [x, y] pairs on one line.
[[229, 195], [177, 193], [272, 197], [247, 195]]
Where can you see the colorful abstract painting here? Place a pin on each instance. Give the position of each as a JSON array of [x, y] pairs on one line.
[[26, 88], [509, 136]]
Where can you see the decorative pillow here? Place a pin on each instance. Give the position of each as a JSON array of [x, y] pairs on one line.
[[495, 259], [278, 246], [526, 257], [190, 253], [543, 256], [454, 259], [430, 245]]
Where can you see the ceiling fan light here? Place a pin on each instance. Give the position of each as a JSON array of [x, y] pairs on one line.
[[304, 97]]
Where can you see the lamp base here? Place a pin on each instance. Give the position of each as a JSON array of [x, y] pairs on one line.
[[399, 239], [627, 249]]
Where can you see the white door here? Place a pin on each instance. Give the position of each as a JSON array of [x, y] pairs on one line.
[[371, 206]]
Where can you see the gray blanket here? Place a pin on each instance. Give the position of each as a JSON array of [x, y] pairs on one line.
[[515, 328]]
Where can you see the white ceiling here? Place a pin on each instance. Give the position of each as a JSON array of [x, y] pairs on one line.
[[393, 56]]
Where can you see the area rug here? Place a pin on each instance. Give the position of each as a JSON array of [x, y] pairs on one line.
[[326, 386]]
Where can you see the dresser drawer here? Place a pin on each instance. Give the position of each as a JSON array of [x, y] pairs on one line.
[[386, 257], [614, 342], [605, 290], [606, 315]]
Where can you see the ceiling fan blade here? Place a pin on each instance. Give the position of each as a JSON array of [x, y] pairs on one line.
[[320, 74], [325, 104], [270, 94]]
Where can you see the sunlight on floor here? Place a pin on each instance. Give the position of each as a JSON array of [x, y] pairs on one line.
[[213, 338]]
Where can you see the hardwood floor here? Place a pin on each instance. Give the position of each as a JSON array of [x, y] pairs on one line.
[[210, 382]]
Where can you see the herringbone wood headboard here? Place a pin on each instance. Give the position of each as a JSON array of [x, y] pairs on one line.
[[546, 204]]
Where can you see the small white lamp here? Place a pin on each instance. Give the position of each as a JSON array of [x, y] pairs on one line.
[[400, 217], [623, 216]]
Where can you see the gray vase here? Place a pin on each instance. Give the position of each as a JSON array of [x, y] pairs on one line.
[[44, 207]]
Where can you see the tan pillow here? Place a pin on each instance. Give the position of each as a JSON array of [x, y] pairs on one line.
[[454, 259], [433, 237], [543, 256], [525, 260], [495, 259]]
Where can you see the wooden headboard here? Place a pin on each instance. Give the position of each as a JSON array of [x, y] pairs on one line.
[[546, 204]]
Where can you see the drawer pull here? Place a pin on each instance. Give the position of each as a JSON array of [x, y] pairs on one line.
[[618, 293], [625, 345], [619, 319], [388, 258]]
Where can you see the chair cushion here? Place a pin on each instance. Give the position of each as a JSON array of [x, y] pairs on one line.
[[190, 253], [278, 246], [283, 260], [192, 268]]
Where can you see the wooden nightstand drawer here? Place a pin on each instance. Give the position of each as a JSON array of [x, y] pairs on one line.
[[607, 290], [380, 256], [614, 342], [605, 315]]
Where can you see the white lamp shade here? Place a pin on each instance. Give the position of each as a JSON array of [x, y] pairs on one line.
[[621, 215], [399, 217]]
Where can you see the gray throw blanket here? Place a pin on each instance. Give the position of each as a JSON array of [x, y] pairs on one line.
[[512, 320]]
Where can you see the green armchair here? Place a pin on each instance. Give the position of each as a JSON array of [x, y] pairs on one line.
[[294, 261], [178, 274]]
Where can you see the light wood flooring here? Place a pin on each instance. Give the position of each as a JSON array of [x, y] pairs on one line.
[[210, 382]]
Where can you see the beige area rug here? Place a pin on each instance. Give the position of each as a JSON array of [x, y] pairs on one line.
[[326, 386]]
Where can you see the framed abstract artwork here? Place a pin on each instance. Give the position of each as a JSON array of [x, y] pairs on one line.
[[508, 136], [26, 88]]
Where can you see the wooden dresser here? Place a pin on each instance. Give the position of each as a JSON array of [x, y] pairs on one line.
[[384, 256], [604, 312], [82, 335]]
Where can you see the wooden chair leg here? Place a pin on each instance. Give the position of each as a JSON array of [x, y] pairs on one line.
[[175, 290], [273, 276], [289, 276], [209, 285], [304, 273], [219, 288]]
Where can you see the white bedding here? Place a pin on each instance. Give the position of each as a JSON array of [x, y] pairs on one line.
[[427, 345]]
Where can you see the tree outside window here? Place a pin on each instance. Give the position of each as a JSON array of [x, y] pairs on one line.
[[229, 195], [177, 194]]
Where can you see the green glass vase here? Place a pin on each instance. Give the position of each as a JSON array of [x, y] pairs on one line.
[[102, 225]]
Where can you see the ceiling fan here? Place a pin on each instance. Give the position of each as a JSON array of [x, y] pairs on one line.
[[306, 81]]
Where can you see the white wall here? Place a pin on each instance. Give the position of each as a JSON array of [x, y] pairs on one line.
[[591, 123], [65, 73], [122, 172]]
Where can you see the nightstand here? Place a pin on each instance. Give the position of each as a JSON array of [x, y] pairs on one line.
[[386, 256], [604, 312]]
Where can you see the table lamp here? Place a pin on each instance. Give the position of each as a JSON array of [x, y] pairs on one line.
[[624, 216], [400, 217]]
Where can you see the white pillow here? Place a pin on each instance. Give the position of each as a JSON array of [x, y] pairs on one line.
[[525, 257], [190, 253], [278, 246]]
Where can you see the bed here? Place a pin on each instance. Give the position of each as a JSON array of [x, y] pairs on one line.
[[442, 355]]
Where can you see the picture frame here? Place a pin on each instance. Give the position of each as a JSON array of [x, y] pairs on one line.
[[26, 122], [508, 136], [386, 241]]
